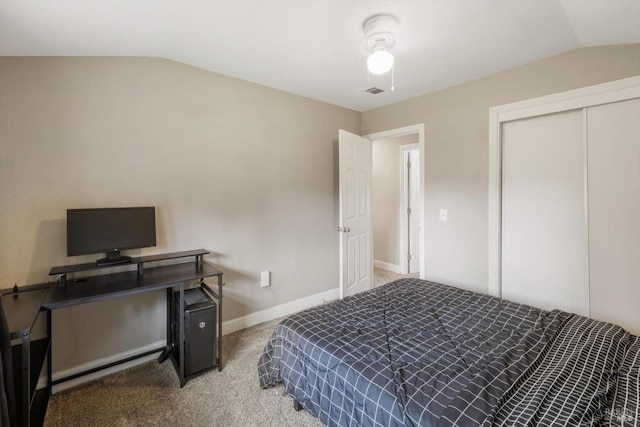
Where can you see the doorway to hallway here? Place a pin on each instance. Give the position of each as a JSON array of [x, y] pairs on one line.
[[398, 201]]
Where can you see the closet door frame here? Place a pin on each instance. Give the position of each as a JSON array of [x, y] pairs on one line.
[[619, 90]]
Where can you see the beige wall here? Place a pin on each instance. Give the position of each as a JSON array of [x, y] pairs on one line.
[[245, 171], [456, 146]]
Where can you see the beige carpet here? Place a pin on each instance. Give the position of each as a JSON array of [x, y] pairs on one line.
[[149, 394], [382, 277]]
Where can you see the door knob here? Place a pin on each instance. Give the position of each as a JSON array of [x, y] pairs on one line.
[[347, 229]]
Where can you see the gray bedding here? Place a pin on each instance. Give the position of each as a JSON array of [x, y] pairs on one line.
[[418, 353]]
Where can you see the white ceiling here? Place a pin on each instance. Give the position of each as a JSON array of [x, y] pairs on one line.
[[312, 47]]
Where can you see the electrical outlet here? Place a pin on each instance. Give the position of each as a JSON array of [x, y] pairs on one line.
[[265, 279]]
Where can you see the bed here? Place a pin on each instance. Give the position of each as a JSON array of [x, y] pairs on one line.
[[418, 353]]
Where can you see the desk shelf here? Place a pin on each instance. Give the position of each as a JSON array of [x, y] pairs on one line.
[[77, 268], [96, 288]]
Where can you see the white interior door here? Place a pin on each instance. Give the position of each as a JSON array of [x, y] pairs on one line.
[[356, 266], [614, 212]]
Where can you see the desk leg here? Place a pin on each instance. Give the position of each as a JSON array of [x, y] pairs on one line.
[[181, 335], [220, 322], [170, 342], [26, 379], [50, 352]]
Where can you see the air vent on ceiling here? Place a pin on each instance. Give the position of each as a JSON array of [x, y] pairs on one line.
[[374, 90]]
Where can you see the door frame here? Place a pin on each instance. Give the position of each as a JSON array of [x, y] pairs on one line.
[[618, 90], [410, 130]]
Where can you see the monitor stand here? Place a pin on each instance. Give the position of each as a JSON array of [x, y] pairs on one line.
[[113, 258]]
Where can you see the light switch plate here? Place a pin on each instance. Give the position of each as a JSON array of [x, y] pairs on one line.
[[265, 279], [443, 214]]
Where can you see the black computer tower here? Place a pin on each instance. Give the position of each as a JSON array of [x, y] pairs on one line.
[[199, 330]]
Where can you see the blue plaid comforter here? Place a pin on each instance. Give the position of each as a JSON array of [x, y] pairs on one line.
[[418, 353]]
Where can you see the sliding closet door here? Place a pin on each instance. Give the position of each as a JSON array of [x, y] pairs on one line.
[[614, 212], [544, 229]]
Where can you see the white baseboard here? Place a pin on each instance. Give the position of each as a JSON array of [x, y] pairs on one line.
[[285, 309], [228, 327], [387, 266], [101, 362]]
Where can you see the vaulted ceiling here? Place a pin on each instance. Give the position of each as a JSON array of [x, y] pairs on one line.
[[313, 47]]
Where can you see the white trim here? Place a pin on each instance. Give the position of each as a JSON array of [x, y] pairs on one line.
[[408, 130], [281, 310], [387, 266], [585, 178], [615, 91], [604, 93], [228, 327], [101, 362], [402, 210], [495, 203], [393, 133]]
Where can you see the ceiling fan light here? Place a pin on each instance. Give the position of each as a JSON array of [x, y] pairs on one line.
[[380, 61]]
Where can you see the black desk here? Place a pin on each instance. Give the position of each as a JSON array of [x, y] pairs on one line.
[[95, 288], [23, 307]]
